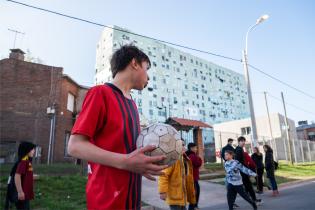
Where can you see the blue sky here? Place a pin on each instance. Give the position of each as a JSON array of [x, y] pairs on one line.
[[283, 46]]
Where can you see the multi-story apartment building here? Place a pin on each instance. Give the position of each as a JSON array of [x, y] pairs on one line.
[[181, 84]]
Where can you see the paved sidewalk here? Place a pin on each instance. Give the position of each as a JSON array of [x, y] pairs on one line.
[[210, 194]]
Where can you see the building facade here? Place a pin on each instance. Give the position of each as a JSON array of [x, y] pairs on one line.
[[38, 103], [181, 85], [306, 131]]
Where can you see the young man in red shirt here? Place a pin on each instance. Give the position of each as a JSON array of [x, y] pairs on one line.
[[105, 135]]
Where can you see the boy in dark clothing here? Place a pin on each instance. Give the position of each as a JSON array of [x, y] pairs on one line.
[[239, 156], [22, 173], [257, 157], [228, 147], [196, 162]]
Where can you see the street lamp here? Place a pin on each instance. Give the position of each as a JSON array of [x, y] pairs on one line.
[[249, 92]]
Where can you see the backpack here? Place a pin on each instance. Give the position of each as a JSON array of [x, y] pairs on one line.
[[12, 194]]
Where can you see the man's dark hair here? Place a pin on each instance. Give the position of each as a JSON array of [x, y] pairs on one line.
[[230, 152], [190, 145], [241, 138], [230, 140], [124, 55]]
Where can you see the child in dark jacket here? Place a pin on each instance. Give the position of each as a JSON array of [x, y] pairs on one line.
[[20, 184], [234, 180], [196, 162]]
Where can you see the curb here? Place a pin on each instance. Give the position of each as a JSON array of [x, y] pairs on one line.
[[150, 208], [288, 184]]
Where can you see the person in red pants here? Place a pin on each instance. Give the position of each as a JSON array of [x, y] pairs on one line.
[[196, 162]]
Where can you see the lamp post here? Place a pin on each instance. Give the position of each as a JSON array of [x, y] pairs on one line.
[[249, 92]]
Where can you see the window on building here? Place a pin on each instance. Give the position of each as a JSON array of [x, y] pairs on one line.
[[150, 103], [154, 64], [154, 78], [246, 130], [70, 102], [67, 136], [151, 112], [139, 92], [186, 86], [139, 102]]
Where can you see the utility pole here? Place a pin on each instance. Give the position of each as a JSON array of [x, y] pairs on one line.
[[270, 128], [51, 111], [287, 129], [15, 35]]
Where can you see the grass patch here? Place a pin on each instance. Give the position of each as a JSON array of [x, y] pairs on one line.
[[58, 169], [213, 167], [60, 186], [297, 171]]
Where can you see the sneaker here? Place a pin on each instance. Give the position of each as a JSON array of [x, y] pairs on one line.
[[235, 206], [259, 192], [258, 202]]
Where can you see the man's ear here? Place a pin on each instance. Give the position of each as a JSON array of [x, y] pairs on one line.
[[134, 64]]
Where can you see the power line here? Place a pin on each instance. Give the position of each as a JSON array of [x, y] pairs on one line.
[[121, 30], [280, 81], [292, 105]]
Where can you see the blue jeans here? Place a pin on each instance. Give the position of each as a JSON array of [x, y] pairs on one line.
[[273, 183]]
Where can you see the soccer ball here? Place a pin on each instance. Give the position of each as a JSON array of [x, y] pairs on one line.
[[166, 139]]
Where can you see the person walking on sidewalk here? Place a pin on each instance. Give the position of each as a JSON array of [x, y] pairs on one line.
[[196, 162], [270, 169], [257, 157], [234, 180], [239, 156]]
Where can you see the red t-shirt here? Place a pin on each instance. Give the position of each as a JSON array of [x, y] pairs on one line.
[[111, 122], [25, 169]]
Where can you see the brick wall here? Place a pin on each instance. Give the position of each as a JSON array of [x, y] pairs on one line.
[[26, 90]]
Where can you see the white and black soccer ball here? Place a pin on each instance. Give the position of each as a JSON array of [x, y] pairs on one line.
[[166, 139]]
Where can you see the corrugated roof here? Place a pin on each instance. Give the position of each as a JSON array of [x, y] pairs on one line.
[[192, 123]]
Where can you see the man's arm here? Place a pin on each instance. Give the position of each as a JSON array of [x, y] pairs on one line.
[[164, 181], [246, 170], [18, 185], [137, 162]]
